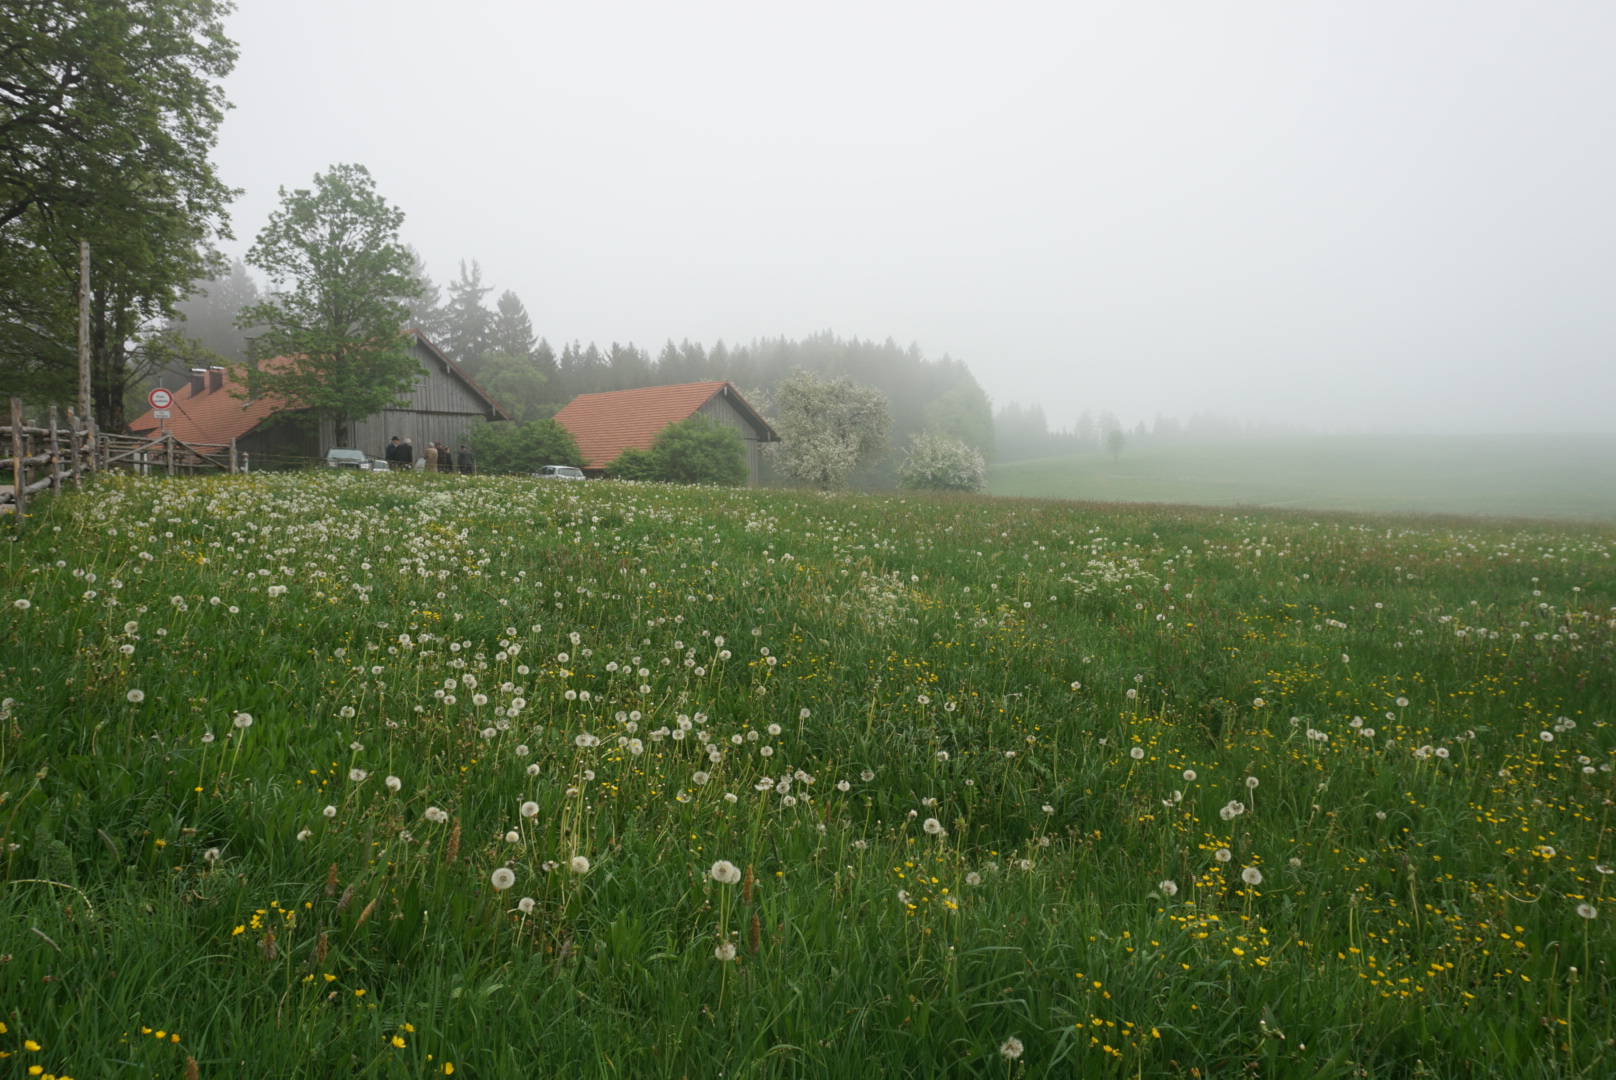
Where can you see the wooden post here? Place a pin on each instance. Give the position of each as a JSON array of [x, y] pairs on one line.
[[55, 455], [75, 444], [232, 455], [19, 472], [168, 446], [86, 405]]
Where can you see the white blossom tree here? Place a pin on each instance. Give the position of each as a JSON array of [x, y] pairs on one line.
[[828, 429], [938, 463]]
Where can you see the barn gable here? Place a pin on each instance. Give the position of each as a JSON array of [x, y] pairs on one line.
[[607, 424]]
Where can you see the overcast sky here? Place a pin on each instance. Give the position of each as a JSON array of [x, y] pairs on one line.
[[1348, 216]]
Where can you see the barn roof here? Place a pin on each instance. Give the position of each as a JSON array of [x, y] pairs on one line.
[[606, 424], [219, 415]]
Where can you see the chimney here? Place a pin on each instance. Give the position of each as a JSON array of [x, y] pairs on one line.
[[215, 379], [199, 380]]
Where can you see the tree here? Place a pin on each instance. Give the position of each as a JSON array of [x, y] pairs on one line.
[[426, 310], [516, 382], [108, 116], [828, 429], [1115, 440], [698, 450], [335, 333], [208, 314], [508, 446], [512, 331], [939, 463], [468, 325]]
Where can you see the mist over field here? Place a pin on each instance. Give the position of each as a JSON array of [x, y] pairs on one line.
[[1361, 217]]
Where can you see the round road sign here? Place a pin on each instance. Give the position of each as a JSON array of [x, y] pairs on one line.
[[160, 398]]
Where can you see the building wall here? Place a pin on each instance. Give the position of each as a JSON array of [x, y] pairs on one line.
[[719, 409], [441, 409]]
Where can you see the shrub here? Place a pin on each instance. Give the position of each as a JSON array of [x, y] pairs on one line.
[[938, 463], [506, 446], [699, 450]]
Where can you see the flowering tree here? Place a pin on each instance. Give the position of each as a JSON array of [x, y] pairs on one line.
[[828, 429], [938, 463]]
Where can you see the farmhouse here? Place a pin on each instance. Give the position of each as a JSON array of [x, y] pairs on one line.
[[213, 408], [607, 424]]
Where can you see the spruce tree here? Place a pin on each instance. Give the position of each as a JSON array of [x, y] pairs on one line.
[[512, 329], [469, 325]]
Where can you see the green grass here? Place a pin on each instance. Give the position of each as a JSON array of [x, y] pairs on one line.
[[1040, 678], [1505, 475]]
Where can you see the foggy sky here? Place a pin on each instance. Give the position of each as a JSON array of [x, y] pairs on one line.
[[1350, 216]]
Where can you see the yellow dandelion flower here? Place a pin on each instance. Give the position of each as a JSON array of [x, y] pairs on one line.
[[398, 1041], [29, 1044]]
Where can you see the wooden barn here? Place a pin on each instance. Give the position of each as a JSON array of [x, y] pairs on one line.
[[443, 407], [607, 424]]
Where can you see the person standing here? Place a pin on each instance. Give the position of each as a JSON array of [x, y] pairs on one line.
[[465, 460], [430, 456], [445, 459], [394, 454]]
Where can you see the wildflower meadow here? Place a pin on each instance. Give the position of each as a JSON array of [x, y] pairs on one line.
[[401, 776]]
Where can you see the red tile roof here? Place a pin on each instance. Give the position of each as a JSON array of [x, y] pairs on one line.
[[607, 424], [213, 416]]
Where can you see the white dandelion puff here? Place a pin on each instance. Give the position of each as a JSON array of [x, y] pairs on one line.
[[578, 864], [503, 878], [725, 872], [1251, 876], [1168, 888]]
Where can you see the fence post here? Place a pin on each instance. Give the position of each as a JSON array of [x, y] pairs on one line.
[[55, 455], [232, 455], [75, 444], [168, 441], [19, 472]]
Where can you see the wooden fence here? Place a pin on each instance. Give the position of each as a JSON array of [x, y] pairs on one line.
[[43, 458]]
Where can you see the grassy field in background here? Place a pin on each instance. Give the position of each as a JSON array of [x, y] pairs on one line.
[[1506, 475], [321, 775]]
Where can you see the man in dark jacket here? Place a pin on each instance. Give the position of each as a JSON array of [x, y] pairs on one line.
[[465, 459], [395, 455]]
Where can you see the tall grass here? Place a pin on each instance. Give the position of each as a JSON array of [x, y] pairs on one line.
[[984, 765]]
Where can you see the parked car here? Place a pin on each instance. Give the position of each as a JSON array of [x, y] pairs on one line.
[[340, 458], [560, 472]]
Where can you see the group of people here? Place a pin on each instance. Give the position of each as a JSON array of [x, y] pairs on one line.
[[435, 458]]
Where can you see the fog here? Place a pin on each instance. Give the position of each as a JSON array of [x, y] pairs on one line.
[[1345, 216]]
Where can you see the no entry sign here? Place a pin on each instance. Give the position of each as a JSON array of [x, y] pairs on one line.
[[160, 398]]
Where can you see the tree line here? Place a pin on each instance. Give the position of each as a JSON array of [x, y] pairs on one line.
[[1023, 432]]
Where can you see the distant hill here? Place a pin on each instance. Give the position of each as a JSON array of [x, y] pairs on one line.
[[1571, 476]]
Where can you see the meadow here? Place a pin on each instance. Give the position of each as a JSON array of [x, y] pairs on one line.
[[1570, 476], [401, 776]]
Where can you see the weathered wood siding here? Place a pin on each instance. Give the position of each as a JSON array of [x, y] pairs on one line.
[[719, 409], [442, 409]]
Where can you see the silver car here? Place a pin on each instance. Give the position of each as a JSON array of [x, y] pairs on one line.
[[560, 472], [339, 458]]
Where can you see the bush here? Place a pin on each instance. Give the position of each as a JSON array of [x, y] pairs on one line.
[[699, 450], [506, 446], [938, 463]]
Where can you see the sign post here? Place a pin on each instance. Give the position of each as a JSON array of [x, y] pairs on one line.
[[160, 400]]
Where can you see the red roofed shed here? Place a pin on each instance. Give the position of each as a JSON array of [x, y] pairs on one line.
[[607, 424]]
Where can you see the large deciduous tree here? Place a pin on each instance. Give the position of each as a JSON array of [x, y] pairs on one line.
[[333, 335], [108, 115], [828, 429]]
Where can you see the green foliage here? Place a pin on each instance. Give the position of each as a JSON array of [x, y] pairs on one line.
[[334, 335], [636, 464], [1417, 913], [109, 117], [515, 447], [698, 450], [515, 382]]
